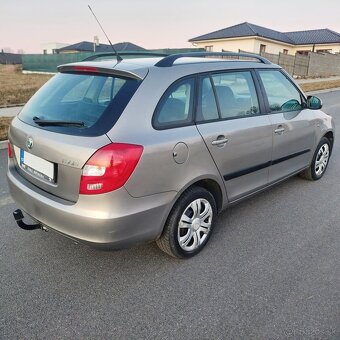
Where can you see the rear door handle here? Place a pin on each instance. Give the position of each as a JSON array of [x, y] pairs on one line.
[[279, 130], [220, 141]]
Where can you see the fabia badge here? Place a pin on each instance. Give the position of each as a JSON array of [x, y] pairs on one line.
[[29, 143]]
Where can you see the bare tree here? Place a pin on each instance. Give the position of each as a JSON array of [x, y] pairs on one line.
[[7, 50]]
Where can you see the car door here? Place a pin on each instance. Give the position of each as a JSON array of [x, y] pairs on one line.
[[237, 135], [293, 126]]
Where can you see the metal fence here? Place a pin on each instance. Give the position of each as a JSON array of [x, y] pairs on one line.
[[311, 65], [50, 62]]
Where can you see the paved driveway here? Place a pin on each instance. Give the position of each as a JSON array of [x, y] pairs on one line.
[[270, 271], [10, 111]]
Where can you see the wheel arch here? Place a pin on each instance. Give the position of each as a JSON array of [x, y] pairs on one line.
[[213, 185], [214, 188], [330, 136]]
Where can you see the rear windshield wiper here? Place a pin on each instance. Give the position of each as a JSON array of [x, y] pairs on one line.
[[46, 122]]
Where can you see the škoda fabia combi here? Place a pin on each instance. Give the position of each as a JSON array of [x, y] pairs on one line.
[[116, 153]]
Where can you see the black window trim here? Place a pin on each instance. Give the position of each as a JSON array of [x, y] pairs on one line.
[[197, 77], [199, 93], [265, 97]]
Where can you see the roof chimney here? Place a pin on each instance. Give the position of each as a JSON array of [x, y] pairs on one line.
[[95, 42]]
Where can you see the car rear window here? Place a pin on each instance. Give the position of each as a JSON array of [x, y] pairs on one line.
[[95, 100]]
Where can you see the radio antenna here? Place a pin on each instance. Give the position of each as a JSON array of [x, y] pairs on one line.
[[119, 58]]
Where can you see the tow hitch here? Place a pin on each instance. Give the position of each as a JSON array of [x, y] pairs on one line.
[[19, 216]]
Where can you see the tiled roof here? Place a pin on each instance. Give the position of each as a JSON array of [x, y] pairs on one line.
[[320, 36], [86, 46], [294, 38]]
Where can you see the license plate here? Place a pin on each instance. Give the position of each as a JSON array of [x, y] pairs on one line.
[[34, 165]]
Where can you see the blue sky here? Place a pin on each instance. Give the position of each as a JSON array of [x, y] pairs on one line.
[[25, 24]]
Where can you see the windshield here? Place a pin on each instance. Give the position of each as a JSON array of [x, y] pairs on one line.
[[94, 101]]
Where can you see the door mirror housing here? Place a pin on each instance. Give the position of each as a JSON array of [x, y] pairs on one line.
[[314, 103]]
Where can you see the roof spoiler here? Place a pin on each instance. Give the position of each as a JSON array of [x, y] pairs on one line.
[[98, 70], [169, 60], [136, 53]]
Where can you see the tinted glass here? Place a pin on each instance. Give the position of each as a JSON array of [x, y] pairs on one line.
[[236, 94], [175, 107], [282, 94], [207, 108], [95, 100]]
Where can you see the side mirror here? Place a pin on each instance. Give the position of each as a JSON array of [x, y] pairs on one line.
[[314, 103]]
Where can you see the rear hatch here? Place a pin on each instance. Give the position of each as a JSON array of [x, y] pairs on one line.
[[66, 122]]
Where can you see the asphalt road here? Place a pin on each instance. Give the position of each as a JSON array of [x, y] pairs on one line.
[[271, 271]]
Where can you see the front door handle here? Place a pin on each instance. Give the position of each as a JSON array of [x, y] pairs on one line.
[[220, 141], [279, 130]]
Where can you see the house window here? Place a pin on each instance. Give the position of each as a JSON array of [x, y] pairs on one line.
[[303, 52], [324, 51], [209, 48], [45, 51], [262, 48], [285, 51]]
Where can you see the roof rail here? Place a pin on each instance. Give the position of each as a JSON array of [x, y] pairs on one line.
[[110, 54], [169, 60]]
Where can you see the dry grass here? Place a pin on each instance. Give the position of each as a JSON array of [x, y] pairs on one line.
[[4, 124], [16, 87], [320, 85]]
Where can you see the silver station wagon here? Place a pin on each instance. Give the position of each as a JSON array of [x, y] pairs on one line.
[[152, 149]]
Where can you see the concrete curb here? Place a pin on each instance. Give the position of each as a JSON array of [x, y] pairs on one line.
[[323, 91], [11, 105], [3, 144], [10, 111]]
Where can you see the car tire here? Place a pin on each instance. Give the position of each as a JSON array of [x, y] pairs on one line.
[[190, 224], [320, 161]]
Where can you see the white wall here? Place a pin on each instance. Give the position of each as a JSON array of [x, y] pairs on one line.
[[49, 47], [334, 48], [272, 46], [231, 45]]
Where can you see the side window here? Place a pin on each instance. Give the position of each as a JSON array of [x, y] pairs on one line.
[[176, 105], [105, 94], [207, 108], [110, 89], [236, 94], [78, 92], [281, 93], [118, 84]]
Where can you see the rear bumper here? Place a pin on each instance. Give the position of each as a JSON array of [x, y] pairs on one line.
[[111, 220]]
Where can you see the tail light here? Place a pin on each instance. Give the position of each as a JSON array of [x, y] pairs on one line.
[[109, 168], [10, 151], [85, 69]]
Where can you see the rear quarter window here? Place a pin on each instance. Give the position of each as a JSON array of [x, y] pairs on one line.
[[176, 105]]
